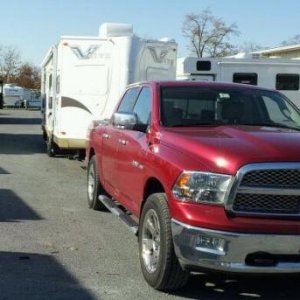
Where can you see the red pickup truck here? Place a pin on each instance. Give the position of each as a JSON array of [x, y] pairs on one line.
[[206, 174]]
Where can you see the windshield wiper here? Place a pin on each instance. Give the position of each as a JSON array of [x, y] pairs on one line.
[[220, 123], [197, 124]]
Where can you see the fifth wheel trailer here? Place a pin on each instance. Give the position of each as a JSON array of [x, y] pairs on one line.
[[279, 74], [83, 78]]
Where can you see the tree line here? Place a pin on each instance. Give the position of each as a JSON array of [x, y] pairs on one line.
[[207, 36], [13, 70]]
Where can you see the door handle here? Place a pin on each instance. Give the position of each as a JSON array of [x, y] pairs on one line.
[[106, 136]]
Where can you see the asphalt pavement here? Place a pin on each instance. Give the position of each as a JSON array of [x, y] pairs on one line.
[[52, 246]]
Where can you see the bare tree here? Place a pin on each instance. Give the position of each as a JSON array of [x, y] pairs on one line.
[[208, 35], [9, 63], [250, 47], [292, 41]]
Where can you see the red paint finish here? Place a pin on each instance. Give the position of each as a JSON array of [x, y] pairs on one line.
[[162, 153]]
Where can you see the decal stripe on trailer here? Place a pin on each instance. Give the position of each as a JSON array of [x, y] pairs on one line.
[[70, 102]]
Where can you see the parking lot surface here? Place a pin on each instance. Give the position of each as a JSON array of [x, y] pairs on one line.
[[54, 247]]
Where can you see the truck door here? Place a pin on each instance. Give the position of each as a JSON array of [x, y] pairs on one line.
[[111, 143], [131, 153], [107, 141]]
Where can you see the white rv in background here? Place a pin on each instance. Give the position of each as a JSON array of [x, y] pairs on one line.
[[273, 73], [14, 95], [83, 78]]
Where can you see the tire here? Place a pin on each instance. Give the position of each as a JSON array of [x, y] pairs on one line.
[[160, 266], [94, 187], [52, 148]]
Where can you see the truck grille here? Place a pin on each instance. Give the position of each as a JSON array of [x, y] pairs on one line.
[[275, 178], [267, 189], [274, 204]]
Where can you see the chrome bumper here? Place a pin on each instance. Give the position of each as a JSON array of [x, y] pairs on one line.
[[200, 248]]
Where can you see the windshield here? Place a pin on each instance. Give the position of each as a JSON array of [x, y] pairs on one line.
[[212, 106]]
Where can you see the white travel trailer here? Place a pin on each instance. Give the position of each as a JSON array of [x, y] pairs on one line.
[[14, 95], [83, 78], [273, 73]]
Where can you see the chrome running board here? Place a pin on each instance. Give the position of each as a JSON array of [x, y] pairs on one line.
[[113, 208]]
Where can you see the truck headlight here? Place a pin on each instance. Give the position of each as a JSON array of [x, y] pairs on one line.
[[202, 187]]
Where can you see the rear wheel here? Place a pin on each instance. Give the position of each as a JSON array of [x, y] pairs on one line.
[[94, 187], [159, 263]]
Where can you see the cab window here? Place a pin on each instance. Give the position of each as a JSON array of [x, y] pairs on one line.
[[142, 106], [128, 100]]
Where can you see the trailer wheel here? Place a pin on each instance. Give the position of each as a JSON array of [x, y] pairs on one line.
[[94, 187], [52, 148], [160, 266]]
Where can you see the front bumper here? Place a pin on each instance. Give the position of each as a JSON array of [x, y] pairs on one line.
[[200, 248]]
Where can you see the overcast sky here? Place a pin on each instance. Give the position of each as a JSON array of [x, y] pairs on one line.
[[34, 25]]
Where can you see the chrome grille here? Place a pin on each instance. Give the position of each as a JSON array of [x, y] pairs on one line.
[[270, 189]]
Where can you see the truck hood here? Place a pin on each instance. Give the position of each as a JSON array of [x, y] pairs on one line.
[[225, 149]]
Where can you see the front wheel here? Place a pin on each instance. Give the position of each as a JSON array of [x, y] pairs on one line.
[[159, 263], [94, 187]]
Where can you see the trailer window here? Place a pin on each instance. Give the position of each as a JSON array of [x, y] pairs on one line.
[[50, 102], [245, 78], [44, 85], [203, 65], [50, 82], [58, 84], [287, 82]]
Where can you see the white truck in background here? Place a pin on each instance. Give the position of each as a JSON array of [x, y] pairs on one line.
[[83, 78], [274, 73]]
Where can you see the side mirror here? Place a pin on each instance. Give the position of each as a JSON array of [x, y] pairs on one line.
[[124, 120]]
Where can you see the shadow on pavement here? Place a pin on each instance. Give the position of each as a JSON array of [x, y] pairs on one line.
[[3, 171], [21, 144], [20, 121], [35, 276], [14, 209], [224, 286]]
